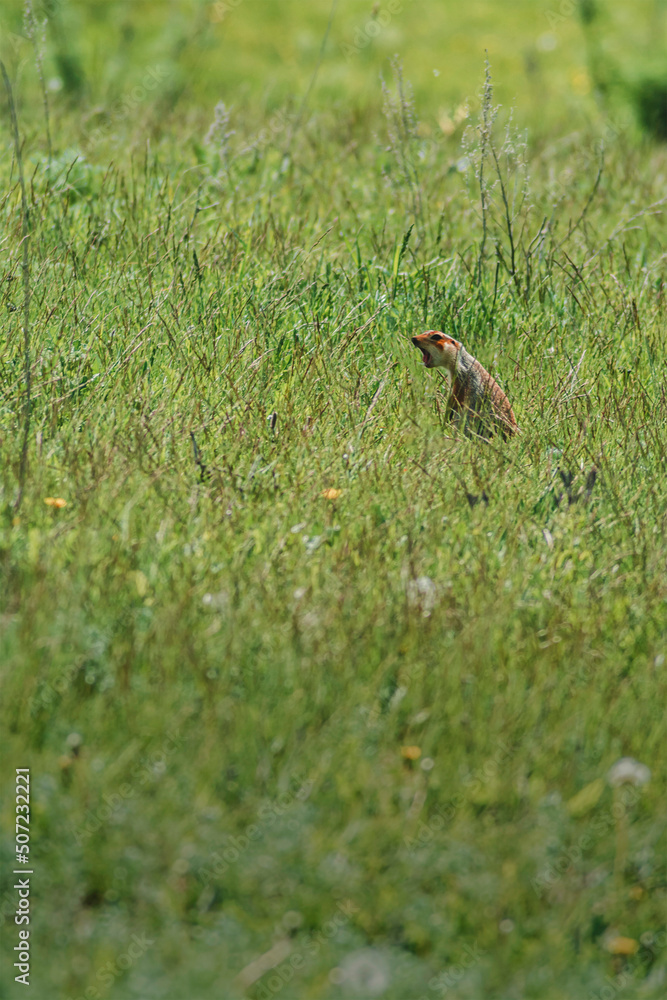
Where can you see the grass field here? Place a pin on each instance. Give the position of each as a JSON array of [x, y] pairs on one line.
[[320, 696]]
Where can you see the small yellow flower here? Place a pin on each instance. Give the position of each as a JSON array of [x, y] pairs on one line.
[[55, 502], [331, 494], [580, 82], [622, 946], [447, 126], [411, 753]]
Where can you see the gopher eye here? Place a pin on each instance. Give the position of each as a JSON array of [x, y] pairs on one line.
[[435, 336]]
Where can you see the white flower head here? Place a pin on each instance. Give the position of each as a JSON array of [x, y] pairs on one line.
[[365, 973], [422, 594], [628, 771]]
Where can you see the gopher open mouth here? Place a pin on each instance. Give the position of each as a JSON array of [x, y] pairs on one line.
[[428, 360]]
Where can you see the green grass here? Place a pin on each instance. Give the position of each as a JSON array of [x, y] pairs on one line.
[[213, 670]]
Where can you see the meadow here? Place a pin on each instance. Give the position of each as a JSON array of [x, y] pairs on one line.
[[320, 697]]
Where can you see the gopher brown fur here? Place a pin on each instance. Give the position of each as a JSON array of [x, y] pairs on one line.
[[475, 398]]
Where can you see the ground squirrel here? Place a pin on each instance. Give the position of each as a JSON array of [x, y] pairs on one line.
[[475, 396]]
